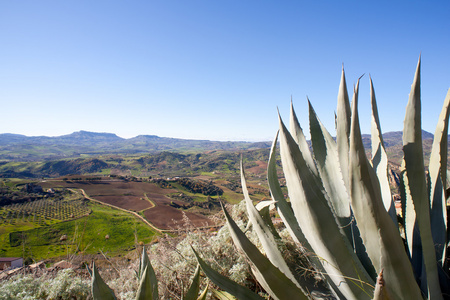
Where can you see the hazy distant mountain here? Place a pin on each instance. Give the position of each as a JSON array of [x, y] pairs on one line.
[[84, 137], [88, 137], [156, 155], [21, 147], [393, 138]]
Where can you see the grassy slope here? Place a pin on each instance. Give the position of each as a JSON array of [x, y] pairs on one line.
[[87, 234]]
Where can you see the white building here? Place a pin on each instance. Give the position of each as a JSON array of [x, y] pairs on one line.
[[10, 263]]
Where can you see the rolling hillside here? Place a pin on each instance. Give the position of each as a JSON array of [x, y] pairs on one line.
[[162, 164], [143, 156]]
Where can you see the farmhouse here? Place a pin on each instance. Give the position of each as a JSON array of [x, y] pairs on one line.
[[10, 263]]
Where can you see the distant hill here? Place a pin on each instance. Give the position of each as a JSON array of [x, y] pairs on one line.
[[147, 155], [16, 147], [161, 164], [394, 138]]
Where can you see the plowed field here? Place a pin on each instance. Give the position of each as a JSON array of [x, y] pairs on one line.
[[136, 196]]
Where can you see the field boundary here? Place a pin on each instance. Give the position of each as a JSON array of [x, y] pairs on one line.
[[124, 210], [161, 231], [151, 202]]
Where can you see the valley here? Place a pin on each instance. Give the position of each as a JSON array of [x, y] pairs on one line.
[[94, 204], [155, 193]]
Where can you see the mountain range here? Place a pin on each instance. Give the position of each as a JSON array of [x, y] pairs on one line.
[[89, 152], [16, 147]]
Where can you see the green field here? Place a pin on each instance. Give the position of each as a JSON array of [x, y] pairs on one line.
[[104, 229]]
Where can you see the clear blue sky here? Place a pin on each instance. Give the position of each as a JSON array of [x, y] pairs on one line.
[[213, 69]]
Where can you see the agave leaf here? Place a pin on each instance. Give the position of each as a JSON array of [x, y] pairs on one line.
[[287, 215], [143, 262], [438, 217], [283, 207], [265, 233], [438, 176], [412, 233], [327, 158], [415, 171], [343, 119], [325, 153], [319, 225], [275, 282], [192, 293], [380, 159], [148, 285], [223, 282], [221, 295], [265, 215], [299, 137], [145, 290], [380, 236], [265, 203], [100, 290], [203, 294]]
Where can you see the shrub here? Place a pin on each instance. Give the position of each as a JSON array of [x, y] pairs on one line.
[[65, 285]]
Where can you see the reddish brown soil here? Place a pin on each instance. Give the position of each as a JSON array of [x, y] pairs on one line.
[[131, 196], [261, 168], [167, 217], [126, 202]]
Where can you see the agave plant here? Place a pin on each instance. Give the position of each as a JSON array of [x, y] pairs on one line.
[[341, 210], [148, 284]]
